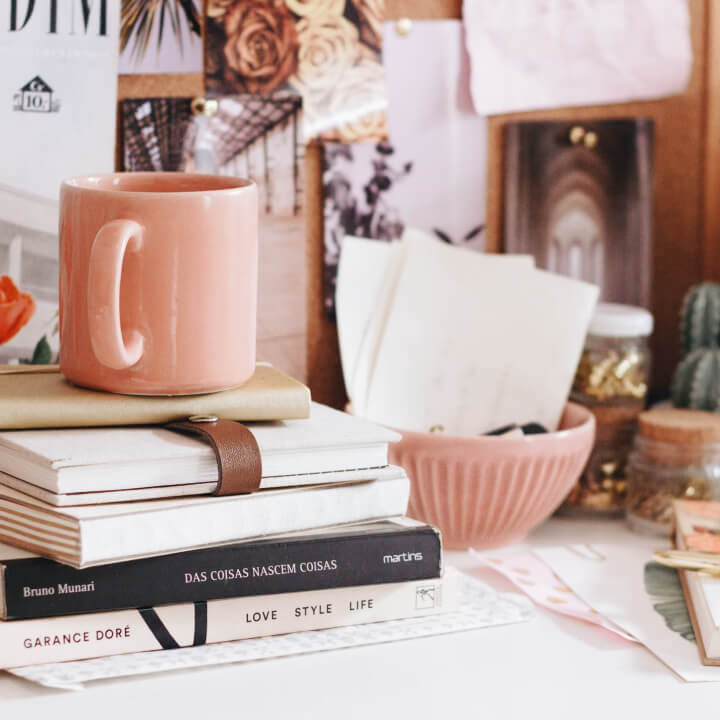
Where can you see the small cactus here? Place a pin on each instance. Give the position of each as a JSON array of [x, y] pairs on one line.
[[696, 383], [700, 317]]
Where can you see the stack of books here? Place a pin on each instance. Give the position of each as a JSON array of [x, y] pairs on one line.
[[114, 543]]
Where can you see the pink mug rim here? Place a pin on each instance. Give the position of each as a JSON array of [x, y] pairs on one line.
[[197, 184]]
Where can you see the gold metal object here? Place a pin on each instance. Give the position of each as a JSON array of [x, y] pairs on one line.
[[403, 26], [591, 139], [708, 563], [611, 375], [203, 418], [204, 106], [437, 429], [577, 133]]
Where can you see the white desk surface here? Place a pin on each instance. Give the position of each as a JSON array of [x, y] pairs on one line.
[[551, 667]]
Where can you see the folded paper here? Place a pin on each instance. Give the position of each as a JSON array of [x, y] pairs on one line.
[[470, 341]]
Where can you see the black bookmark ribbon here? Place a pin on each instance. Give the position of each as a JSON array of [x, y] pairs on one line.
[[162, 634]]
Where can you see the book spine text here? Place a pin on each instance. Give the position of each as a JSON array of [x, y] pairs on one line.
[[37, 587]]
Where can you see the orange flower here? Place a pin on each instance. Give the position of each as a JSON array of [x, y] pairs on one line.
[[16, 309]]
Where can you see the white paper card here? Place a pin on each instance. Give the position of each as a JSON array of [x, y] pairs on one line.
[[361, 273], [480, 606], [474, 341], [374, 330], [530, 54]]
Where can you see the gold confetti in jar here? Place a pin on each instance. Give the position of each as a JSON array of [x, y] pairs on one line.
[[612, 382], [676, 455]]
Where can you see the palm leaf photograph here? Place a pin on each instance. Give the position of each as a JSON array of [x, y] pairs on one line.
[[140, 17]]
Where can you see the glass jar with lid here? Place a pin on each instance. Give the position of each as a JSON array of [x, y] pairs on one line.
[[612, 382], [676, 455]]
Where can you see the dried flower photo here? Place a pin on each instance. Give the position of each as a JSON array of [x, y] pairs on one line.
[[327, 51], [257, 138]]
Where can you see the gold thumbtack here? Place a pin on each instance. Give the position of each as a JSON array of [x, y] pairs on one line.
[[403, 26], [204, 106], [591, 140], [577, 133]]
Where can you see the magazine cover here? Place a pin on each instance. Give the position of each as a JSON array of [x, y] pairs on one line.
[[58, 89]]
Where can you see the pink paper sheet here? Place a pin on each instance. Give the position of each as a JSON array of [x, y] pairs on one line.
[[531, 575], [530, 54]]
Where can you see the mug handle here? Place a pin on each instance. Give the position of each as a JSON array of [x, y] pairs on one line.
[[113, 240]]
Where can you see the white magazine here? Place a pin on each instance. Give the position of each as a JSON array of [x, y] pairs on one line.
[[58, 91]]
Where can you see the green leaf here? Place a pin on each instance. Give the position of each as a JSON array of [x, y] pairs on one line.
[[42, 355]]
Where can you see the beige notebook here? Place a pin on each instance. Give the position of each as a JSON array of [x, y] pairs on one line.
[[40, 397]]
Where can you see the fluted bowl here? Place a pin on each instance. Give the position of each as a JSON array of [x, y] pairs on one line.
[[483, 492]]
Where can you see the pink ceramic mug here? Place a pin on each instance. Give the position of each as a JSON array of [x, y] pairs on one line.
[[158, 282]]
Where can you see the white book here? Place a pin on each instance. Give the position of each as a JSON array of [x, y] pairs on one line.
[[90, 465], [84, 536], [77, 637]]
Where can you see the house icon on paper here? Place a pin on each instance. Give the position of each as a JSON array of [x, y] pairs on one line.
[[35, 96]]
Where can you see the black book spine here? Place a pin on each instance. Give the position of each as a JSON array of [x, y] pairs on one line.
[[37, 587]]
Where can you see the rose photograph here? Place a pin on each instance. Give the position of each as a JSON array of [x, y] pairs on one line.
[[327, 51]]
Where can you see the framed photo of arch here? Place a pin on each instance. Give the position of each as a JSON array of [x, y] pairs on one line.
[[578, 197]]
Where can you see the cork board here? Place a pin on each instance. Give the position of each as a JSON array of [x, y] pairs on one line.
[[683, 253], [323, 359]]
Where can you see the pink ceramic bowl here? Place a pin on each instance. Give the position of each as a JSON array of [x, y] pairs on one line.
[[483, 492]]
